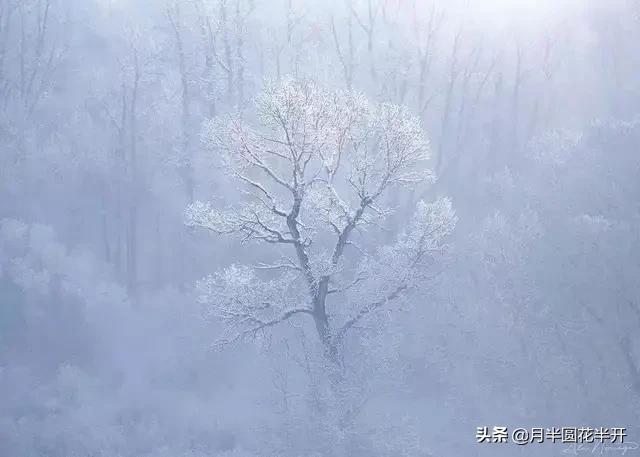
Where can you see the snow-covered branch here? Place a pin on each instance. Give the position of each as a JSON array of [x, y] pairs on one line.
[[248, 304], [399, 268]]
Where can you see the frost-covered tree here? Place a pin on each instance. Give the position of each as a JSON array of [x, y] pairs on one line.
[[312, 177]]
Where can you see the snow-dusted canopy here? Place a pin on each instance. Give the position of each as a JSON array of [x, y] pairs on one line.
[[317, 168]]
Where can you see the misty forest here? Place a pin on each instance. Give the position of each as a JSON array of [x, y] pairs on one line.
[[316, 228]]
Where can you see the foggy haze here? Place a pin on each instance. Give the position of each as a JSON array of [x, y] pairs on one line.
[[291, 228]]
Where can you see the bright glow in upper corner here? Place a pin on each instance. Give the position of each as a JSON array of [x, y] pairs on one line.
[[516, 13]]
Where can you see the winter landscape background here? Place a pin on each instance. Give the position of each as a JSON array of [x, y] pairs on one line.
[[305, 228]]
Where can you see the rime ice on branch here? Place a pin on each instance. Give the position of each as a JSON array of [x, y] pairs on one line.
[[312, 178]]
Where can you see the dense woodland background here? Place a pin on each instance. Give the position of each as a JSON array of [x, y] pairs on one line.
[[531, 318]]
